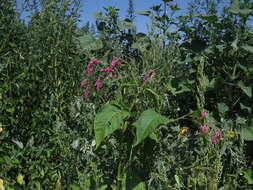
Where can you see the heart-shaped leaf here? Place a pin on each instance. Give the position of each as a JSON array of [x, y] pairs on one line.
[[146, 124], [107, 121]]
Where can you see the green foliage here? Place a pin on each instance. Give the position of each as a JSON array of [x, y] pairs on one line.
[[195, 67], [107, 121], [146, 125]]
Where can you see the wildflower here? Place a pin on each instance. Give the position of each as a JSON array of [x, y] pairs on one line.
[[202, 115], [89, 69], [147, 76], [20, 179], [86, 93], [203, 129], [231, 134], [183, 131], [1, 129], [83, 82], [98, 83], [1, 184], [115, 62], [107, 71], [95, 61], [214, 139], [218, 134]]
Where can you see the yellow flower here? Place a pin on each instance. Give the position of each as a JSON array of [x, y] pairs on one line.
[[1, 129], [231, 134], [1, 184], [183, 131], [20, 179]]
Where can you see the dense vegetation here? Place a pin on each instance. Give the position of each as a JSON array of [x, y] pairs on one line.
[[102, 107]]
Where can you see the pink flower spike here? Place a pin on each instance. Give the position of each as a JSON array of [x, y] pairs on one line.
[[108, 71], [98, 83], [115, 62], [95, 61], [202, 115], [147, 76], [89, 69], [86, 93], [218, 133], [214, 139], [203, 129], [83, 82]]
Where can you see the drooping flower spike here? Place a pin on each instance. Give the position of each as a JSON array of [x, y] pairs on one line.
[[95, 61], [98, 83], [107, 71], [83, 82]]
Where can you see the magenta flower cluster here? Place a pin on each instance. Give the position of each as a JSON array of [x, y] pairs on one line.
[[203, 128], [108, 71], [216, 136]]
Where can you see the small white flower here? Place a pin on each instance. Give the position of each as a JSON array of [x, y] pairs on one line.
[[93, 143]]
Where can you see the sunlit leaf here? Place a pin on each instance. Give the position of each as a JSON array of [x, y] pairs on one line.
[[18, 143], [146, 124], [20, 179], [109, 119], [144, 13], [248, 175]]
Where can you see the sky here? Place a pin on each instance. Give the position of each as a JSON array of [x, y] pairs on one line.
[[89, 7]]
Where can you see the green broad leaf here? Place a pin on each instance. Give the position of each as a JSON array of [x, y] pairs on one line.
[[144, 13], [248, 175], [140, 186], [223, 108], [146, 124], [104, 187], [107, 121], [248, 48], [10, 110], [154, 137], [247, 133], [243, 107], [246, 89]]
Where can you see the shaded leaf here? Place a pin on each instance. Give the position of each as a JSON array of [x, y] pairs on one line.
[[248, 48], [223, 108], [246, 89], [247, 132]]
